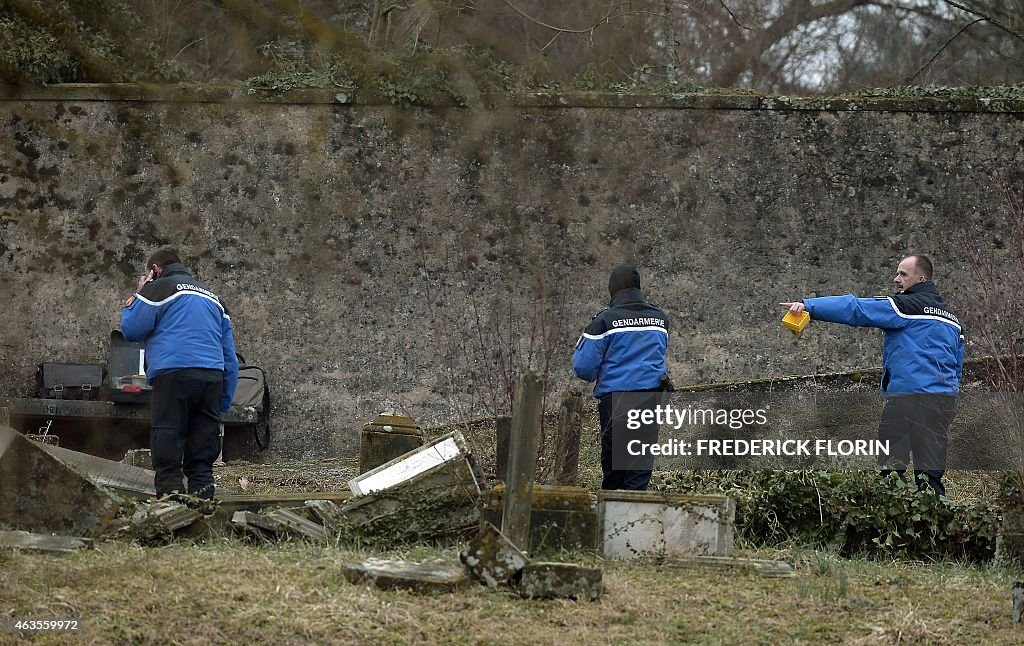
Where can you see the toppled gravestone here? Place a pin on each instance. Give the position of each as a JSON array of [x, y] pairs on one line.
[[43, 542], [38, 493], [278, 523], [491, 558], [162, 519], [406, 575], [565, 580], [426, 493], [329, 514]]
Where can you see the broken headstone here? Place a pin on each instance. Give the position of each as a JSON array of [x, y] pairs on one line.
[[43, 542], [329, 513], [278, 522], [1018, 601], [38, 493], [415, 466], [162, 519], [427, 493], [406, 575], [491, 558], [297, 525], [560, 580]]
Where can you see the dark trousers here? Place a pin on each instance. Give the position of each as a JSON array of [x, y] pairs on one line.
[[185, 435], [918, 424], [613, 408]]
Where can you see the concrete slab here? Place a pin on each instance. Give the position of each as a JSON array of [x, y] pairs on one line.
[[560, 580], [38, 493], [43, 542], [406, 575], [491, 558], [638, 524]]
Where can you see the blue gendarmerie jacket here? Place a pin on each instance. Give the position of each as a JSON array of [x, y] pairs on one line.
[[623, 349], [923, 350], [183, 325]]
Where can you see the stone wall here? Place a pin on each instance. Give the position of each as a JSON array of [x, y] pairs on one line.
[[376, 257]]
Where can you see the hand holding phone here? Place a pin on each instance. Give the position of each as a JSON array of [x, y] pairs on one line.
[[145, 279]]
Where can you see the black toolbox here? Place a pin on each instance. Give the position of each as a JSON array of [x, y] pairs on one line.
[[69, 381]]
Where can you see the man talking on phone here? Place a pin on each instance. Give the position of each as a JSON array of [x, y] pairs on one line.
[[192, 366]]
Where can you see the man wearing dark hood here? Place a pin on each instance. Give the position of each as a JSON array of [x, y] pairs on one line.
[[623, 352], [922, 364]]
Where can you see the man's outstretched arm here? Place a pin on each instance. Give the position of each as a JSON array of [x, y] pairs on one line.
[[850, 310]]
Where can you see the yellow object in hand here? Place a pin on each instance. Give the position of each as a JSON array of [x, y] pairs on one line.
[[796, 323]]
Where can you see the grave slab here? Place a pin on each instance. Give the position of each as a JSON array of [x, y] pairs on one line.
[[406, 575], [43, 542], [560, 580], [638, 524], [38, 493]]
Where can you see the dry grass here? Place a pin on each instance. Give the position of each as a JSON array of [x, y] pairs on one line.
[[226, 591]]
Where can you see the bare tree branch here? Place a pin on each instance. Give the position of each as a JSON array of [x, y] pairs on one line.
[[986, 17], [944, 46]]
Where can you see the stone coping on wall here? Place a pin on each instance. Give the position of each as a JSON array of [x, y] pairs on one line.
[[974, 370], [711, 99]]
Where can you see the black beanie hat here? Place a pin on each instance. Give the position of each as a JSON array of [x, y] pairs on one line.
[[623, 276]]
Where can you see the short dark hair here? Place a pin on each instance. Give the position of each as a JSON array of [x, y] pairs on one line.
[[163, 257], [923, 264]]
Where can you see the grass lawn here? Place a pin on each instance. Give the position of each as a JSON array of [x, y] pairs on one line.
[[227, 591]]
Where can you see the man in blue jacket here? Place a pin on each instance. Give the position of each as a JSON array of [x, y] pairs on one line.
[[192, 366], [623, 351], [922, 364]]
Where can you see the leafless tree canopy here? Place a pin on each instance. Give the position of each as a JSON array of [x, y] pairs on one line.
[[778, 46]]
